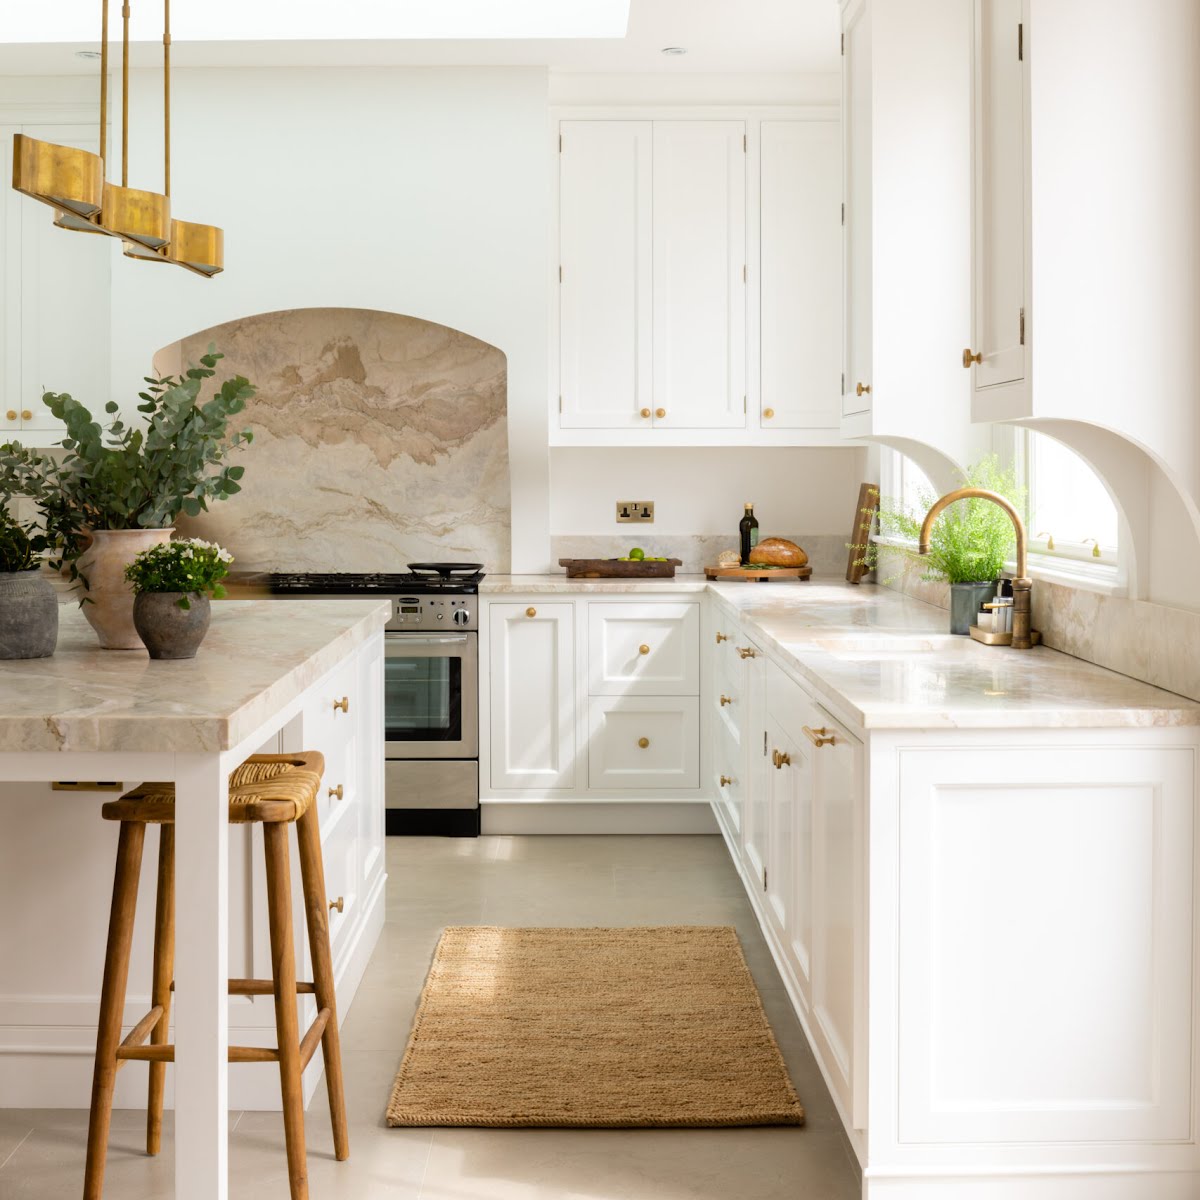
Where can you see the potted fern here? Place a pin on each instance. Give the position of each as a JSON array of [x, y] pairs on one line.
[[28, 602], [110, 491]]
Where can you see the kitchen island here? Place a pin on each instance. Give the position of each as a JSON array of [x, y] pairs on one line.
[[306, 675]]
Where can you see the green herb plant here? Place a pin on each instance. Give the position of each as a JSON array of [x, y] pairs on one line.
[[189, 566], [119, 476], [18, 551]]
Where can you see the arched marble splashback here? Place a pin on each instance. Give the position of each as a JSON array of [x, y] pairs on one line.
[[379, 439]]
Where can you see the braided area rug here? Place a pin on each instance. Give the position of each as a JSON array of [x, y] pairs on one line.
[[604, 1028]]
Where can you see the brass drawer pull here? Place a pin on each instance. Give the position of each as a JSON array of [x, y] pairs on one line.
[[660, 412], [26, 415], [339, 904], [768, 413], [645, 414], [863, 389], [643, 742], [725, 780], [643, 649], [780, 759], [726, 700], [343, 704], [820, 737], [722, 637], [335, 793], [11, 414], [969, 358], [531, 611], [747, 652]]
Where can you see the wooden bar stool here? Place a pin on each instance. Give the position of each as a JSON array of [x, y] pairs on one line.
[[276, 790]]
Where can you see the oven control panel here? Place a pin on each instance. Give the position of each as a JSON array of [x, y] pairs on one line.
[[428, 614]]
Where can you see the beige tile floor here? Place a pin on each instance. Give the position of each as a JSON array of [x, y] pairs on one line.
[[498, 881]]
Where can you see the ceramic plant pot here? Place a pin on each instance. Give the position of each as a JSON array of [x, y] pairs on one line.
[[167, 630], [109, 605], [28, 615], [966, 599]]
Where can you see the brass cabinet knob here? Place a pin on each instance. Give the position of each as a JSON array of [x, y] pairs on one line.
[[820, 737], [339, 904], [26, 415], [11, 414], [336, 792], [781, 759], [643, 742], [531, 611], [646, 413], [660, 412], [721, 637], [725, 700], [863, 389], [643, 649], [725, 780], [747, 652], [343, 704], [969, 358], [768, 413]]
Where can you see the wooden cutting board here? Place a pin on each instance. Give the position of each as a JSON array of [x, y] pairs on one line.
[[757, 574], [618, 568]]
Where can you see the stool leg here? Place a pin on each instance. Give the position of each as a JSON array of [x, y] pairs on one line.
[[312, 869], [160, 992], [283, 972], [112, 1002]]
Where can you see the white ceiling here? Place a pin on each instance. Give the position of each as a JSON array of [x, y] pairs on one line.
[[721, 36]]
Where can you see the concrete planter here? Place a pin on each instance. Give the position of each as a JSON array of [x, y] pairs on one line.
[[167, 630], [966, 599], [28, 615], [109, 603]]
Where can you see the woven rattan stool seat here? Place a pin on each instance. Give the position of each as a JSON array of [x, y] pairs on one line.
[[266, 787]]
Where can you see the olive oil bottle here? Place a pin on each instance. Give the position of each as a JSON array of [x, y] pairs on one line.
[[748, 528]]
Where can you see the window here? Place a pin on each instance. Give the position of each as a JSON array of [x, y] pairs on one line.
[[1071, 514]]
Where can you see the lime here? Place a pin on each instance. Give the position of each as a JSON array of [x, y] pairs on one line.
[[637, 554]]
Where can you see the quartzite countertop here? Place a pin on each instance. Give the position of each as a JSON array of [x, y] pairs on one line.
[[886, 661], [258, 656]]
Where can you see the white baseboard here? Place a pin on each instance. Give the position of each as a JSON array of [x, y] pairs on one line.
[[596, 816], [1062, 1183]]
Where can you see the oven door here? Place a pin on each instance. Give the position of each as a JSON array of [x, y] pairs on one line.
[[431, 695]]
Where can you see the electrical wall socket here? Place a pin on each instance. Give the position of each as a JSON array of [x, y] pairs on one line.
[[641, 511]]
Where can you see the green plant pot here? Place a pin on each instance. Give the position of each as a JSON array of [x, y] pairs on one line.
[[966, 599]]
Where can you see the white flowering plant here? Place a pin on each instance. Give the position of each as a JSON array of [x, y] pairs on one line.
[[190, 566]]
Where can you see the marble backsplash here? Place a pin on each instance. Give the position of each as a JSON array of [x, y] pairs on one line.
[[379, 439], [826, 552], [1150, 642]]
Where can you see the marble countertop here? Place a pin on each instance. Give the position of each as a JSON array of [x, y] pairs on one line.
[[541, 585], [258, 656]]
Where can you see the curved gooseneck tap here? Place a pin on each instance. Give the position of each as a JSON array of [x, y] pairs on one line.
[[1022, 584]]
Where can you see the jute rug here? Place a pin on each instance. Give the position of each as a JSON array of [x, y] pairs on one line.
[[606, 1028]]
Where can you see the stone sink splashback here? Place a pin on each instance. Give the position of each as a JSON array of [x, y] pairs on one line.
[[379, 439]]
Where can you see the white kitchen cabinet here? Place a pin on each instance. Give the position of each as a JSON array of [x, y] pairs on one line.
[[639, 649], [532, 695], [800, 274], [644, 742], [55, 306], [605, 367], [756, 740]]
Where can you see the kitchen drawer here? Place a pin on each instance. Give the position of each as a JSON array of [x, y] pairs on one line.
[[339, 848], [644, 649], [668, 725], [333, 732], [727, 779], [727, 701]]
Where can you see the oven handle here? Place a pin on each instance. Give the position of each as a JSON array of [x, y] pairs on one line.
[[412, 639]]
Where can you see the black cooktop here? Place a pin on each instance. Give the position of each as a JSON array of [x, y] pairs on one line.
[[422, 580]]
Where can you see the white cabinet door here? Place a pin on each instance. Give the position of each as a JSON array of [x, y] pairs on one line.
[[1000, 196], [644, 742], [644, 649], [800, 274], [857, 122], [532, 695], [604, 292], [755, 794], [65, 303], [699, 274]]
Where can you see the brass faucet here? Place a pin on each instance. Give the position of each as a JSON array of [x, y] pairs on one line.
[[1022, 585]]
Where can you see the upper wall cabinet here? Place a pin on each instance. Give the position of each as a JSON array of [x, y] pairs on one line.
[[698, 282], [54, 304]]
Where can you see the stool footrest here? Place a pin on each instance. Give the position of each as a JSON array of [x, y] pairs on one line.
[[237, 1054], [265, 987], [312, 1039]]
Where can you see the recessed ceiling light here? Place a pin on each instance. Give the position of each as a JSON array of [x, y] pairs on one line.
[[674, 50], [87, 53]]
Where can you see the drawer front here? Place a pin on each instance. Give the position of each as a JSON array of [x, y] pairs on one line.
[[644, 742], [727, 776], [340, 848], [728, 707], [644, 649], [334, 732]]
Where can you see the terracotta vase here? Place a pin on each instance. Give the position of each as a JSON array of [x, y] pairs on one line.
[[109, 608]]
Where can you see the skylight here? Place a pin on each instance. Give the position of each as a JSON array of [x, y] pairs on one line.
[[319, 20]]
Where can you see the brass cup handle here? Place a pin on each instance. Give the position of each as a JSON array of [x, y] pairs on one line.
[[660, 412], [863, 389], [725, 700], [339, 904], [780, 759], [747, 652], [645, 414], [644, 743], [820, 737], [343, 704], [26, 415], [768, 413], [725, 780], [11, 414], [969, 358], [336, 792], [643, 649], [722, 637], [531, 611]]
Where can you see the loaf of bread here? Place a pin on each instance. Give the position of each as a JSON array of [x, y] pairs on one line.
[[777, 552]]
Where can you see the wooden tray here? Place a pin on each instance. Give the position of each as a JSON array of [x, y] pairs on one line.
[[616, 568], [757, 574]]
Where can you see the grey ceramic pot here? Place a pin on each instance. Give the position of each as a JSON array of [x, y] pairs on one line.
[[167, 630], [28, 615], [966, 599]]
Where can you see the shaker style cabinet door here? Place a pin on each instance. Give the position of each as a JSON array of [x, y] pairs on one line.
[[604, 290], [699, 270], [532, 695], [800, 274]]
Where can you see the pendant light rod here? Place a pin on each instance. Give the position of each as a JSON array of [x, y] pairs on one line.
[[167, 97], [125, 94], [103, 78]]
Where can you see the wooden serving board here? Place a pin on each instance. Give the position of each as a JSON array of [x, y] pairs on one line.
[[757, 574], [616, 568]]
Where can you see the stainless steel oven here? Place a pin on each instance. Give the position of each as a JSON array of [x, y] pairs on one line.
[[431, 695]]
